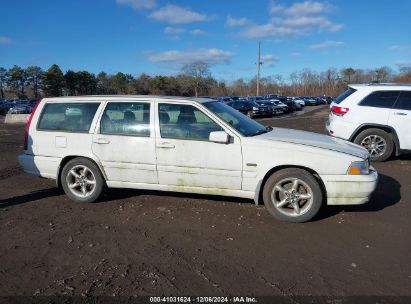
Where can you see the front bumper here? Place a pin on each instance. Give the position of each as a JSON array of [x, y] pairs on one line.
[[350, 189]]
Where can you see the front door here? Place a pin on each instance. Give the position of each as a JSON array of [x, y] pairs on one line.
[[125, 142], [186, 157], [400, 119]]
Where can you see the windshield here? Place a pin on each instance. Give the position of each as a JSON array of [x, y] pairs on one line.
[[243, 124]]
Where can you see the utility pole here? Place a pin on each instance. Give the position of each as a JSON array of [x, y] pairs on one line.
[[258, 69]]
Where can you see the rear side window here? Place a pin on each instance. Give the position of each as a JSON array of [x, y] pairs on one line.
[[404, 102], [68, 117], [126, 118], [344, 95], [380, 99]]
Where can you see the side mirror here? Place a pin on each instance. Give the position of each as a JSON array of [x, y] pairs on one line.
[[219, 137]]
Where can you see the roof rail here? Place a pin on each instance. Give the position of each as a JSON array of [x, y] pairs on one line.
[[390, 84]]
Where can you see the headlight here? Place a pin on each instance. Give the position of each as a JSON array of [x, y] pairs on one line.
[[358, 168], [255, 109]]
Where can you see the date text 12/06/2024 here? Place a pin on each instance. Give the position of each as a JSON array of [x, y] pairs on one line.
[[239, 299]]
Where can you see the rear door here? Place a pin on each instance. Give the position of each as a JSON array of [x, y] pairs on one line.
[[124, 142], [374, 108], [400, 119]]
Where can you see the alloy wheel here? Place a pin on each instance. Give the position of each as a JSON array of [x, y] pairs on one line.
[[292, 197], [376, 145], [81, 181]]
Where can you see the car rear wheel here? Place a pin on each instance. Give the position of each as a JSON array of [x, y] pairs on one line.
[[378, 143], [292, 195], [250, 114], [82, 180]]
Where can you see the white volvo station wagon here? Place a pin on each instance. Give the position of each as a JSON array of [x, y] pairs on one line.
[[191, 145]]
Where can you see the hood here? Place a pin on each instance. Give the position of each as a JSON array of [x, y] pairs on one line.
[[315, 140]]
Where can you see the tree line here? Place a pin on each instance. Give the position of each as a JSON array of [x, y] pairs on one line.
[[195, 79]]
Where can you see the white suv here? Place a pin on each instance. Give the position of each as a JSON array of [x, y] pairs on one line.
[[190, 145], [375, 116]]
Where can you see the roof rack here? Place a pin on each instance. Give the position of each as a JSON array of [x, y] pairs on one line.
[[390, 84], [137, 97]]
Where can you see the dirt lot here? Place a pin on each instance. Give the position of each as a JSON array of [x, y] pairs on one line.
[[153, 243]]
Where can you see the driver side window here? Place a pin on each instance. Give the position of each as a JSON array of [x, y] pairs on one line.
[[185, 122]]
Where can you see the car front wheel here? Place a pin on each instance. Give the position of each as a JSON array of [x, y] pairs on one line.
[[378, 143], [292, 195], [82, 180]]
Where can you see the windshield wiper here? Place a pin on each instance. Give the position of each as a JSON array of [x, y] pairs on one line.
[[262, 131]]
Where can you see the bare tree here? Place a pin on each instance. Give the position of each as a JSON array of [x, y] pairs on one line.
[[348, 73], [199, 72], [239, 87], [384, 74], [405, 75]]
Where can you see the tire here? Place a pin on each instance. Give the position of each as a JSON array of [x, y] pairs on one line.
[[370, 138], [250, 114], [283, 204], [88, 178]]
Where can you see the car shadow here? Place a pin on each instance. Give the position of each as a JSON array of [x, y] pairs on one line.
[[119, 194], [116, 194], [385, 195], [405, 156], [30, 197]]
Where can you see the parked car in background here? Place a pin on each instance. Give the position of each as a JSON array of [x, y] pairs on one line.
[[271, 96], [20, 108], [322, 100], [298, 100], [255, 98], [278, 103], [250, 108], [191, 145], [5, 106], [293, 106], [275, 110], [375, 116], [224, 98], [310, 101]]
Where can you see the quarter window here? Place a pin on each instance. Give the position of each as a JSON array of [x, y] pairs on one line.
[[404, 102], [185, 122], [69, 117], [344, 95], [125, 118], [380, 99]]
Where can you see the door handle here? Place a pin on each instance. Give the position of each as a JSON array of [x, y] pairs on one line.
[[101, 141], [400, 114], [165, 145]]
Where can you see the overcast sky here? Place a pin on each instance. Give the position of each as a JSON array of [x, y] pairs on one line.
[[159, 37]]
